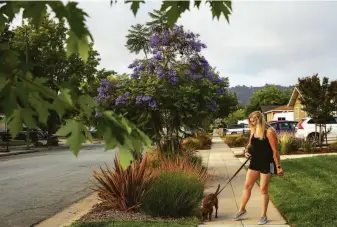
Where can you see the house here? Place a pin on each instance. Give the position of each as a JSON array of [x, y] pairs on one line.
[[295, 103], [280, 113], [265, 108]]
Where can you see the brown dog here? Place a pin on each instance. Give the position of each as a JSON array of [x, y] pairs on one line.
[[207, 204]]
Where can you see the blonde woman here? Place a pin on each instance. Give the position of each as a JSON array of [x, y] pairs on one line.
[[265, 161]]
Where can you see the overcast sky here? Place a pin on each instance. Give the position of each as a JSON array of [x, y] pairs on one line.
[[265, 42]]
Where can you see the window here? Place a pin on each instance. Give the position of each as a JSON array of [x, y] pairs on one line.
[[281, 118]]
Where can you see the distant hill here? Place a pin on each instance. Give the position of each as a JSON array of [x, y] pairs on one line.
[[244, 93]]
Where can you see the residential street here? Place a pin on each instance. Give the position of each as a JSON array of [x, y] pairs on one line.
[[35, 186]]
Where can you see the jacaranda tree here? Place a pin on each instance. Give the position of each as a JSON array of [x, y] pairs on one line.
[[174, 88]]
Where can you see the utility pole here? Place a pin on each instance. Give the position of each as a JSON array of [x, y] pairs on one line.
[[26, 41]]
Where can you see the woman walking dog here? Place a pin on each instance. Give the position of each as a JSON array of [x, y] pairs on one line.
[[265, 161]]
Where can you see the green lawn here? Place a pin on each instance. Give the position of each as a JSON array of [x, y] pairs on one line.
[[175, 223], [307, 194]]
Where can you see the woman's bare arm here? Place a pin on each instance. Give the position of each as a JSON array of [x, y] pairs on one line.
[[273, 140]]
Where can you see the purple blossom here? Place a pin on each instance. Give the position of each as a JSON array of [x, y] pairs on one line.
[[193, 76], [153, 104], [139, 99], [161, 74], [127, 94], [220, 91], [135, 75], [158, 56], [211, 105], [120, 100], [98, 115], [194, 66], [174, 80], [134, 64], [155, 40], [146, 98]]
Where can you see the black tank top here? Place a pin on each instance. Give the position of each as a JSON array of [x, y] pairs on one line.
[[261, 149]]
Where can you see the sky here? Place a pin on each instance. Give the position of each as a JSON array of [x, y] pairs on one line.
[[270, 42]]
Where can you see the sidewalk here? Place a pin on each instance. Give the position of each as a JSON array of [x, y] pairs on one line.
[[224, 164]]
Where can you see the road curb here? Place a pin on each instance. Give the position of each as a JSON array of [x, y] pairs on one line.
[[71, 214], [11, 153]]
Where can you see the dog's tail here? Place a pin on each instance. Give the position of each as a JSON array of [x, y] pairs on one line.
[[217, 190]]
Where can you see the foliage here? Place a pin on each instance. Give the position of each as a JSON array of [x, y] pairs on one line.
[[236, 140], [23, 97], [269, 95], [318, 99], [235, 116], [285, 142], [186, 164], [183, 222], [307, 146], [174, 88], [173, 194], [123, 188], [332, 147], [307, 191]]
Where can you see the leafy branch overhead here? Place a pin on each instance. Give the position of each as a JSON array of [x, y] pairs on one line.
[[27, 98]]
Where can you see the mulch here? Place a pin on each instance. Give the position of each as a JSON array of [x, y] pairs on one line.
[[102, 212]]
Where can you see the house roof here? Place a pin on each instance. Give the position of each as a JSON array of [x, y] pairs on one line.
[[266, 108], [293, 97], [281, 109]]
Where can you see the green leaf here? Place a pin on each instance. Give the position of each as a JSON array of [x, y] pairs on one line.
[[15, 123], [40, 106], [35, 10], [3, 80], [75, 133], [174, 9], [135, 6], [3, 21], [62, 102], [124, 156], [87, 103], [76, 45], [218, 7], [197, 4], [27, 116], [8, 96]]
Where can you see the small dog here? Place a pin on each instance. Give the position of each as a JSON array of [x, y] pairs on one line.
[[207, 204]]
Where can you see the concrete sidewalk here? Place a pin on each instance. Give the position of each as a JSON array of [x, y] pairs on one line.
[[223, 164]]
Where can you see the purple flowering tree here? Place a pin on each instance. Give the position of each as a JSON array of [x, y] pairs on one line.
[[175, 87]]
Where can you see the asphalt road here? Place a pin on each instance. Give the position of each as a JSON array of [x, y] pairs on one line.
[[35, 186]]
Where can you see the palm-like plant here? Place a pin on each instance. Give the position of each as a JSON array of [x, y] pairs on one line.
[[159, 20], [138, 38]]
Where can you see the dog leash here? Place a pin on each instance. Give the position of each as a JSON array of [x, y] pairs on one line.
[[235, 174]]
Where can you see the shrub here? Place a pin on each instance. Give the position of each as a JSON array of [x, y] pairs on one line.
[[307, 146], [182, 164], [236, 140], [123, 188], [332, 147], [173, 194], [205, 139], [241, 141], [286, 142], [191, 143]]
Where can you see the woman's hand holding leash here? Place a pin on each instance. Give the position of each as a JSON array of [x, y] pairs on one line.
[[280, 172]]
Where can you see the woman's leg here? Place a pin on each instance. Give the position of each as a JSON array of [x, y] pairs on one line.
[[264, 183], [251, 178]]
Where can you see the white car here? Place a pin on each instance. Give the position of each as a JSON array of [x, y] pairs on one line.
[[237, 129], [305, 129]]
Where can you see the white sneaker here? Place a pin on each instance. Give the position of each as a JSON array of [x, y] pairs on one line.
[[263, 221]]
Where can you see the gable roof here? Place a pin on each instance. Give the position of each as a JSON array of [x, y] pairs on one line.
[[293, 97], [281, 109], [266, 108]]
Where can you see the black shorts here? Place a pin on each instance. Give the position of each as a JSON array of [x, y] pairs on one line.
[[263, 167]]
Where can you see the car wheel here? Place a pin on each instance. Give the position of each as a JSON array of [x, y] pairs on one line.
[[233, 133]]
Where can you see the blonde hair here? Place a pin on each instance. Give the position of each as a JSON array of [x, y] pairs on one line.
[[260, 126]]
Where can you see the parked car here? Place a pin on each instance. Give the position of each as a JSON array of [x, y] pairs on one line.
[[34, 135], [236, 129], [305, 129], [284, 126]]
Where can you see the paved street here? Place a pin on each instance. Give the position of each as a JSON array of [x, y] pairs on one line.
[[35, 186]]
